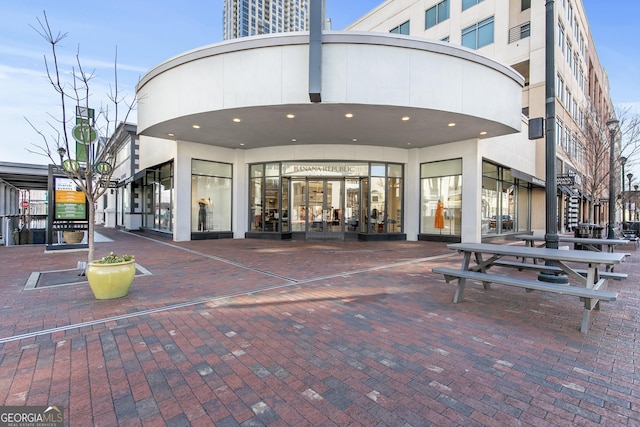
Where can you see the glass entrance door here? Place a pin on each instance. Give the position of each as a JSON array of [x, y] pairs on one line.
[[325, 209]]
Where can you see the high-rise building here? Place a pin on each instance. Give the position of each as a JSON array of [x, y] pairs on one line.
[[514, 33], [242, 18]]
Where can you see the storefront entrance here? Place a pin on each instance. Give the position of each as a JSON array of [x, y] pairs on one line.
[[325, 207], [326, 200]]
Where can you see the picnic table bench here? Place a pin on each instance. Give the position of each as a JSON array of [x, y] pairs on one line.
[[592, 282], [592, 244]]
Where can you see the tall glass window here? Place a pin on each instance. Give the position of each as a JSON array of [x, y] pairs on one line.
[[505, 201], [377, 205], [158, 198], [441, 197], [210, 196], [395, 187], [256, 198], [347, 196]]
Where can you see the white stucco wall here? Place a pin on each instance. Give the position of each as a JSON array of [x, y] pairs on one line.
[[379, 71], [358, 68]]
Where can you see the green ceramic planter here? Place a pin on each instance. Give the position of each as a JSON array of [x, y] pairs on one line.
[[109, 281]]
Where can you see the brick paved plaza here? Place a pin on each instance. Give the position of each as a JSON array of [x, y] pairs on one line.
[[292, 333]]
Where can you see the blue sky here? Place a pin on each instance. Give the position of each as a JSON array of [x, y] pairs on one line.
[[148, 32]]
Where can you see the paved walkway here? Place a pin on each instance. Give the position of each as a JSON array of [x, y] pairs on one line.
[[256, 332]]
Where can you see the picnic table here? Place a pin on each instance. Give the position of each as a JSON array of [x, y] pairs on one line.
[[592, 244], [588, 284]]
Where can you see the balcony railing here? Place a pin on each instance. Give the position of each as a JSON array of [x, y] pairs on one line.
[[520, 32]]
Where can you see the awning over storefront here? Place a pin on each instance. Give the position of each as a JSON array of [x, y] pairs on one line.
[[586, 196], [528, 178], [137, 177], [568, 191]]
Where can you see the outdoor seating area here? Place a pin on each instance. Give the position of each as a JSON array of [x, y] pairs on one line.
[[591, 283], [253, 332]]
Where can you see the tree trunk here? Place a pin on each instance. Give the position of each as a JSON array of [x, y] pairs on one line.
[[91, 231]]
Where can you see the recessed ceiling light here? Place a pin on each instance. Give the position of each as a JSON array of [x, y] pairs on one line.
[[348, 115], [293, 140], [290, 116], [483, 133], [170, 134], [237, 119], [451, 125], [406, 118], [242, 144], [196, 126], [354, 140]]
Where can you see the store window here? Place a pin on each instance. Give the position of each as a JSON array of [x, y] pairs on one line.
[[395, 190], [211, 190], [505, 201], [326, 199], [256, 173], [158, 198], [441, 197]]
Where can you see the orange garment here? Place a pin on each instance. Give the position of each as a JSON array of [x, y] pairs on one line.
[[439, 221]]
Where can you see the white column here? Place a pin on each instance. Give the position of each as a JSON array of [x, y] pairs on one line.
[[182, 196], [3, 198], [471, 195], [241, 197], [412, 196]]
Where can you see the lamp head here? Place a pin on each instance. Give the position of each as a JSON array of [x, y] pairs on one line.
[[612, 124], [629, 176], [62, 151]]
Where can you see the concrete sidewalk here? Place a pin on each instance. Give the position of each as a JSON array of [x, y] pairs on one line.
[[256, 332]]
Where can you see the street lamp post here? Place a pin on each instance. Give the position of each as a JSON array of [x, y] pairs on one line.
[[629, 176], [623, 161], [612, 124], [551, 237], [635, 203], [551, 203]]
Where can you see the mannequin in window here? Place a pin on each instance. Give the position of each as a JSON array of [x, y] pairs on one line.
[[202, 214], [439, 220]]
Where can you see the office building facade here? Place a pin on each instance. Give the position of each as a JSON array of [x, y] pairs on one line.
[[242, 18], [414, 127], [514, 33]]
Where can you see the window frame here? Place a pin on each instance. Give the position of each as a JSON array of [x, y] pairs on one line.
[[404, 28], [467, 4], [476, 30], [439, 13]]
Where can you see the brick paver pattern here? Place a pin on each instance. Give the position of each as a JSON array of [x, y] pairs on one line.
[[294, 333]]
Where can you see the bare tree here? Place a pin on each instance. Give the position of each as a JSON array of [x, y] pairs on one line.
[[595, 149], [629, 128], [92, 169]]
